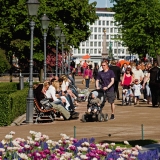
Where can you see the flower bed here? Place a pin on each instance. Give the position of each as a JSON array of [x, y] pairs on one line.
[[39, 147]]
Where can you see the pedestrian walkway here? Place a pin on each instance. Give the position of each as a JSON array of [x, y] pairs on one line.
[[126, 126]]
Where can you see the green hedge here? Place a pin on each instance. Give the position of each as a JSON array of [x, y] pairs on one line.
[[8, 87], [12, 105]]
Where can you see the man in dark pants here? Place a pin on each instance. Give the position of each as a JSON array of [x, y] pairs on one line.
[[117, 72], [154, 83]]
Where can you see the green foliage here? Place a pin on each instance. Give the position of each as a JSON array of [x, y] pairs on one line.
[[8, 87], [139, 22], [11, 106], [4, 64], [73, 17]]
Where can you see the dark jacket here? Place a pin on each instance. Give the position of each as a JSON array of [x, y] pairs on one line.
[[117, 72]]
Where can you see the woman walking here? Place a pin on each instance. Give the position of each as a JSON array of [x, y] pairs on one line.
[[87, 76]]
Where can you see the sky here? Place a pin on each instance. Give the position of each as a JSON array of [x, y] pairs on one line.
[[102, 3]]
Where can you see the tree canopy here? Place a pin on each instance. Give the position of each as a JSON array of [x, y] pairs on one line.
[[73, 17], [139, 22]]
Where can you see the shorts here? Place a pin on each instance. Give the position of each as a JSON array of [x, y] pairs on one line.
[[110, 96]]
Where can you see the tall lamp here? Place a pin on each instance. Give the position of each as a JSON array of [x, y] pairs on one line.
[[57, 31], [63, 38], [45, 23], [32, 6]]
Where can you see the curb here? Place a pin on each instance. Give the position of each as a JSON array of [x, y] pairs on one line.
[[19, 120]]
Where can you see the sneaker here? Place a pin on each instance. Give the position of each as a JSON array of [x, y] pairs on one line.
[[144, 100], [112, 117]]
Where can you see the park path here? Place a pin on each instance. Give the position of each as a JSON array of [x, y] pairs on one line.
[[126, 126]]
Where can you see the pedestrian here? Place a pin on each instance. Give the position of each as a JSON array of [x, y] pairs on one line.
[[87, 76], [106, 76], [154, 83], [117, 72]]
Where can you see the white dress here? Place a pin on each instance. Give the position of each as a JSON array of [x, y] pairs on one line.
[[137, 89]]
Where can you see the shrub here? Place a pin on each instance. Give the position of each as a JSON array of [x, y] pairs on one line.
[[12, 105], [4, 64]]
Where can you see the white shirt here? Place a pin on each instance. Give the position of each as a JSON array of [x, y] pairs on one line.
[[137, 89], [138, 74], [64, 85]]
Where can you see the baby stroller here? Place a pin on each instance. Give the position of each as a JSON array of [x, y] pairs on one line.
[[126, 95], [98, 116]]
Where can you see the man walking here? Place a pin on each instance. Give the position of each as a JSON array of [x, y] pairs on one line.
[[106, 76], [117, 72]]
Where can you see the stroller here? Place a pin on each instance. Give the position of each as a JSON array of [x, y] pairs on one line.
[[126, 95], [98, 116]]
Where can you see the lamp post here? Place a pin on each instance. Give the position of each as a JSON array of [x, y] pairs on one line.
[[45, 23], [57, 31], [32, 11], [62, 41]]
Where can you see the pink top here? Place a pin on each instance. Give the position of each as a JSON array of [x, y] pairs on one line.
[[127, 80], [88, 72]]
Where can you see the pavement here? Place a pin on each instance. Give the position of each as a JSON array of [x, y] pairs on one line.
[[130, 123]]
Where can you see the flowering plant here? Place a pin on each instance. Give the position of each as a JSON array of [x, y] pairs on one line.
[[39, 147]]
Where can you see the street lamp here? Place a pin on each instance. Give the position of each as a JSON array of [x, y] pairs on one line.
[[32, 11], [57, 31], [63, 38], [45, 23]]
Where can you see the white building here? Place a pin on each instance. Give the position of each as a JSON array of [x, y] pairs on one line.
[[93, 46]]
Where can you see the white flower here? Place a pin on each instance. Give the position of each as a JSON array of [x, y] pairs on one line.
[[79, 148], [84, 157], [32, 132], [76, 158], [23, 156], [8, 136], [84, 149], [108, 150], [121, 158], [135, 153], [126, 142], [2, 149], [38, 135], [3, 141], [133, 157], [113, 144], [37, 139], [26, 146], [138, 147], [12, 133], [94, 158], [49, 141], [125, 155]]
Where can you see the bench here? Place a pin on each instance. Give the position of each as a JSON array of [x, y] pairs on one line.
[[42, 112]]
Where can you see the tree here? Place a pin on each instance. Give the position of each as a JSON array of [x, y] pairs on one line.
[[139, 23], [73, 17]]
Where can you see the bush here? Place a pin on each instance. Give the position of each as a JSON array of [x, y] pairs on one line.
[[4, 64], [12, 105], [8, 87]]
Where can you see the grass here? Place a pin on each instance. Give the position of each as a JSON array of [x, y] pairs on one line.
[[132, 143]]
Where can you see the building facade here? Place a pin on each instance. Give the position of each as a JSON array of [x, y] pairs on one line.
[[94, 45]]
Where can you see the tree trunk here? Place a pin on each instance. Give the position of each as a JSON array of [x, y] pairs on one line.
[[41, 75]]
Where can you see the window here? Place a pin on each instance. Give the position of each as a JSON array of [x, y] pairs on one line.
[[107, 43], [115, 50], [83, 43], [99, 22], [99, 44], [95, 29], [87, 43], [107, 36], [91, 36], [83, 51], [115, 30], [103, 22], [95, 44], [99, 30], [91, 29], [107, 23], [91, 44], [95, 22], [87, 50], [99, 36], [111, 23], [119, 44], [95, 36], [95, 51], [107, 30], [111, 30], [91, 51], [79, 51]]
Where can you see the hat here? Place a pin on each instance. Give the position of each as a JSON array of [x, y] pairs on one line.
[[95, 93]]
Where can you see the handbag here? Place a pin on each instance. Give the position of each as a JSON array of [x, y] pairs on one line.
[[83, 81]]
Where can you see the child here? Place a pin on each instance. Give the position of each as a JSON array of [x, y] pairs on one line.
[[137, 91], [93, 101]]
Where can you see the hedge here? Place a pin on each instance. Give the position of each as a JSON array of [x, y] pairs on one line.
[[12, 105]]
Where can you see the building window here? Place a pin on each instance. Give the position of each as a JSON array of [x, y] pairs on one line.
[[91, 36], [91, 29], [95, 29], [115, 30], [111, 23], [115, 50], [99, 44], [103, 22], [91, 44], [99, 22], [95, 51], [112, 36], [107, 23], [95, 36], [91, 51], [83, 43], [95, 23], [111, 30], [79, 51], [87, 43], [107, 43], [95, 44], [107, 36], [99, 30], [107, 30], [87, 51], [119, 44], [99, 36], [83, 51]]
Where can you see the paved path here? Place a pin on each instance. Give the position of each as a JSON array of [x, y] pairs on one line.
[[126, 126]]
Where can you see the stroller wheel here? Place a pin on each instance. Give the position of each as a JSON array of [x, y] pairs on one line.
[[100, 117], [83, 118], [106, 117]]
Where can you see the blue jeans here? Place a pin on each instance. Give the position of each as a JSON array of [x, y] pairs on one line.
[[148, 90], [87, 82]]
